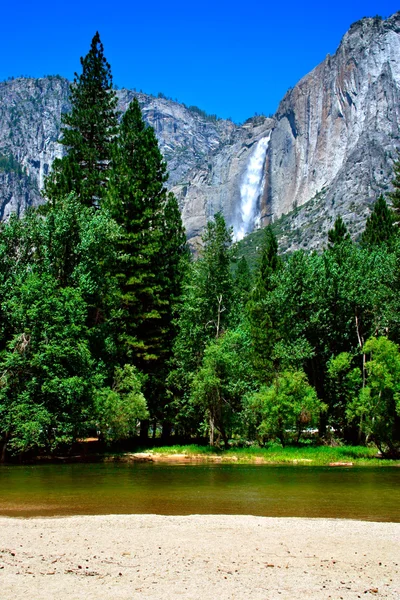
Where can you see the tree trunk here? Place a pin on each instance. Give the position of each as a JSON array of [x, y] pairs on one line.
[[144, 430], [361, 344], [166, 431], [212, 430], [4, 447]]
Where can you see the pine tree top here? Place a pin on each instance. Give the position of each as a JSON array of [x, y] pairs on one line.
[[338, 234], [87, 132], [379, 226]]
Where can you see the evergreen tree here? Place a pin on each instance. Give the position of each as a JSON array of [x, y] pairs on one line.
[[270, 261], [242, 288], [394, 196], [205, 315], [207, 297], [379, 225], [152, 248], [151, 242], [87, 133], [262, 324], [216, 274], [338, 234]]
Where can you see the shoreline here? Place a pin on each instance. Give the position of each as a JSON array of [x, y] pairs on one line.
[[182, 457], [198, 556]]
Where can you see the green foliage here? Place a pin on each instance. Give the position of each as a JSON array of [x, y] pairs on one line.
[[207, 296], [152, 252], [87, 133], [338, 234], [222, 381], [58, 301], [346, 380], [306, 454], [152, 238], [8, 164], [394, 196], [261, 320], [270, 262], [119, 408], [379, 226], [47, 372], [205, 314], [286, 407], [378, 404]]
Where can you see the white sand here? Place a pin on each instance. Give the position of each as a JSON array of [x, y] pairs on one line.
[[197, 557]]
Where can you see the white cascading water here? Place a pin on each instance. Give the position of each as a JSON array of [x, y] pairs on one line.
[[250, 190]]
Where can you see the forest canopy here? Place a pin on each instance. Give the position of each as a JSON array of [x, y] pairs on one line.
[[108, 326]]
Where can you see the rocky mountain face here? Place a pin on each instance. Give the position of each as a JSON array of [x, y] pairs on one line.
[[336, 134], [30, 121], [329, 149]]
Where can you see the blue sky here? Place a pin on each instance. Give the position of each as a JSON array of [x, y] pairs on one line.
[[230, 58]]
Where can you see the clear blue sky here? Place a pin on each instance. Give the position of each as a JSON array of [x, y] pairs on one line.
[[231, 58]]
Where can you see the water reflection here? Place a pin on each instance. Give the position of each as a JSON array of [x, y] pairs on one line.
[[357, 493]]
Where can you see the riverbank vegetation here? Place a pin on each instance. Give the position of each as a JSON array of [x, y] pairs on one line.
[[107, 326], [273, 453]]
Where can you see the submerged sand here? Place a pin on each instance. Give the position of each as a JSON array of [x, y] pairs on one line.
[[197, 557]]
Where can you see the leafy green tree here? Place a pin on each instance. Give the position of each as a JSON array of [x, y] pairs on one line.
[[152, 238], [205, 314], [221, 383], [119, 408], [378, 404], [58, 350], [48, 375], [346, 381], [270, 262], [379, 226], [207, 296], [87, 133], [286, 407]]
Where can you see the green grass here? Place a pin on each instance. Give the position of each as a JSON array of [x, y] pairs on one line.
[[192, 449], [275, 454]]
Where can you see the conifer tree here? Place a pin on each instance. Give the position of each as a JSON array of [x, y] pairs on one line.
[[208, 296], [262, 327], [394, 196], [269, 263], [87, 133], [152, 246], [379, 225], [242, 286], [338, 234]]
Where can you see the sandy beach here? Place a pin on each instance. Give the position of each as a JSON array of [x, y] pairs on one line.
[[197, 557]]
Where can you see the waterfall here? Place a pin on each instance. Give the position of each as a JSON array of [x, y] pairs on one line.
[[250, 190]]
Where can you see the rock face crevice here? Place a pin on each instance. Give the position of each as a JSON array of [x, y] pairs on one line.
[[331, 150]]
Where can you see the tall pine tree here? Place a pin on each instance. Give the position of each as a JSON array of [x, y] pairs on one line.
[[87, 133], [262, 326], [152, 246]]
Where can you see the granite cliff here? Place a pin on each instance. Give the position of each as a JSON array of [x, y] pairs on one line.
[[331, 149], [328, 150], [336, 133]]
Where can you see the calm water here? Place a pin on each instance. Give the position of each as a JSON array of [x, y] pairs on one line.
[[352, 493]]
